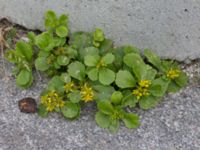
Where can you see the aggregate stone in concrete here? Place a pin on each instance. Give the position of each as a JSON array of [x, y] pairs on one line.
[[173, 125], [169, 27]]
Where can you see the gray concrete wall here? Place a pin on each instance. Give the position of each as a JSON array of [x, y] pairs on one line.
[[169, 27]]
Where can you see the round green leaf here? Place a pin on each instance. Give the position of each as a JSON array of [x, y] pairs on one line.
[[23, 77], [43, 54], [98, 35], [105, 46], [65, 77], [135, 61], [106, 76], [182, 79], [40, 64], [63, 19], [114, 125], [108, 58], [77, 70], [116, 97], [56, 65], [129, 99], [56, 84], [80, 40], [102, 120], [159, 87], [91, 60], [75, 96], [149, 74], [102, 92], [29, 83], [132, 59], [25, 50], [148, 102], [62, 60], [44, 41], [124, 79], [131, 120], [152, 58], [58, 41], [62, 31], [70, 110], [105, 107], [155, 90], [93, 74], [173, 87], [50, 19], [72, 53], [130, 49], [89, 51], [96, 44]]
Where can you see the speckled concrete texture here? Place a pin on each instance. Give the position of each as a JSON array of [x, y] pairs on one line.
[[169, 27], [173, 125]]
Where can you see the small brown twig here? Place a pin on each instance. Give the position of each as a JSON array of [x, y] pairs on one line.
[[3, 44]]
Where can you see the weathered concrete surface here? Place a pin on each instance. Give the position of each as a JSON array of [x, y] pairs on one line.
[[169, 27], [173, 125]]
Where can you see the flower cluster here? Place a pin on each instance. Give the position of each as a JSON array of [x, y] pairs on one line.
[[173, 73], [52, 101], [143, 89], [87, 93], [69, 87]]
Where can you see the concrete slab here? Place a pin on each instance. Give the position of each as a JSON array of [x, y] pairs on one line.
[[173, 125], [171, 28]]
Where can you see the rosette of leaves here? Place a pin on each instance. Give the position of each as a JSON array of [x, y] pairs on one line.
[[111, 113], [169, 70], [98, 68], [22, 57], [130, 79], [71, 106], [119, 53], [80, 40], [59, 25], [53, 53], [101, 42], [56, 60], [102, 91], [98, 37], [57, 31]]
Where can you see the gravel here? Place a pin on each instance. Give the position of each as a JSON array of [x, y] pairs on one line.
[[173, 125]]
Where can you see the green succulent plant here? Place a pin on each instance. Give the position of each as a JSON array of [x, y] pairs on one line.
[[98, 68], [22, 57], [87, 68]]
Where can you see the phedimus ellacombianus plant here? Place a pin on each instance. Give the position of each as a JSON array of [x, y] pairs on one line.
[[87, 68]]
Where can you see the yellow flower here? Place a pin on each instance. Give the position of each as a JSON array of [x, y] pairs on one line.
[[144, 83], [100, 64], [87, 93], [173, 73], [52, 101], [69, 87], [143, 89], [137, 93], [145, 92]]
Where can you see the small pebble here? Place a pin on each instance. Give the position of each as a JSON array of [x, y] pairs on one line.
[[27, 105]]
